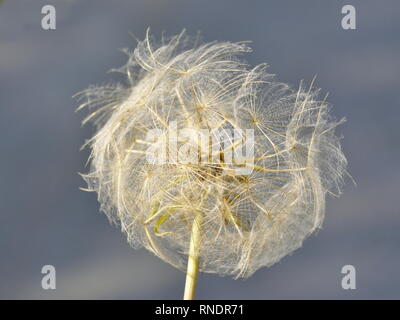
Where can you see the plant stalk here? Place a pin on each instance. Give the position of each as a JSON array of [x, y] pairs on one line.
[[193, 260]]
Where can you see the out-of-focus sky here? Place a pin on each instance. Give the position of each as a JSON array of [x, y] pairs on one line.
[[46, 219]]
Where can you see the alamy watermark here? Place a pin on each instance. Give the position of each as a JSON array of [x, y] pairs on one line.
[[226, 149], [349, 18], [49, 278], [49, 18], [349, 280]]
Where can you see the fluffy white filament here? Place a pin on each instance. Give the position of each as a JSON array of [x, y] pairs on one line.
[[247, 220]]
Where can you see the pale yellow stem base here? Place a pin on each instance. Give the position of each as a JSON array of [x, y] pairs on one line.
[[193, 260]]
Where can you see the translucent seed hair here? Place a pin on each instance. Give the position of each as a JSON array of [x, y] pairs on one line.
[[245, 221]]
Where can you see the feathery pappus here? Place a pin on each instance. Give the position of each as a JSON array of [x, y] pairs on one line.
[[197, 137]]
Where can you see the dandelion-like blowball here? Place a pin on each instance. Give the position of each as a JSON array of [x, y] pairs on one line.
[[200, 155]]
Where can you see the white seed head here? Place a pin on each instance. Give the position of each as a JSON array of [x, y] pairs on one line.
[[254, 211]]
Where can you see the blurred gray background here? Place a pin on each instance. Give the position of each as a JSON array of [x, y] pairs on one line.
[[46, 219]]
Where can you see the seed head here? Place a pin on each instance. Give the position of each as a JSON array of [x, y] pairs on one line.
[[197, 136]]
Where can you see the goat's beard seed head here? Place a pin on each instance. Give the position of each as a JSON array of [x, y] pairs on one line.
[[249, 218]]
